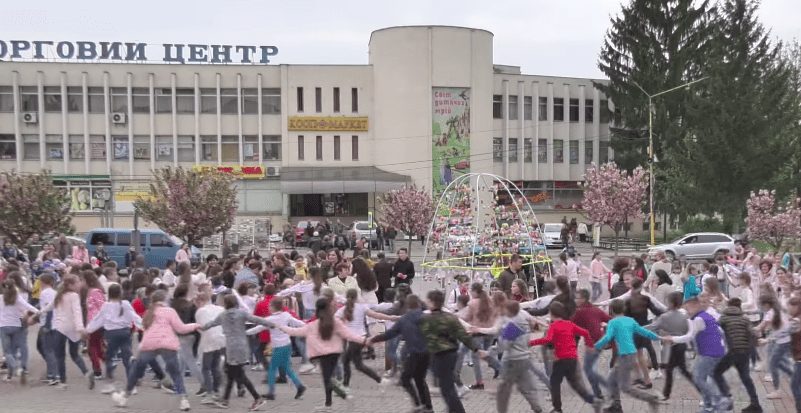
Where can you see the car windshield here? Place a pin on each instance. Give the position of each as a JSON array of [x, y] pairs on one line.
[[362, 226], [553, 228], [676, 241], [177, 241]]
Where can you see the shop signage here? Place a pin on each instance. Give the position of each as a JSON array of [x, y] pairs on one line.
[[136, 52], [328, 123], [239, 171], [132, 192]]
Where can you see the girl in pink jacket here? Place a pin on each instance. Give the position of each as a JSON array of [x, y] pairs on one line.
[[324, 338], [162, 326]]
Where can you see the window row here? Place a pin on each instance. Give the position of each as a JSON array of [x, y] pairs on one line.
[[228, 101], [336, 98], [337, 148], [512, 108], [558, 151], [227, 149]]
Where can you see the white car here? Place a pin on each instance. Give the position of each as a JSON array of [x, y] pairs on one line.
[[552, 235], [696, 246]]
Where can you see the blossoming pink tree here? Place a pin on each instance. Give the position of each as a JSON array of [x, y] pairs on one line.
[[190, 204], [30, 204], [613, 197], [771, 223], [407, 209]]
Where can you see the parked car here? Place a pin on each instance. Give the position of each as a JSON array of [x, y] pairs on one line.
[[552, 235], [300, 231], [696, 246], [156, 245], [361, 229]]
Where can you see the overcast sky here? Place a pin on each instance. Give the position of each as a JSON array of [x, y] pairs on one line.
[[547, 37]]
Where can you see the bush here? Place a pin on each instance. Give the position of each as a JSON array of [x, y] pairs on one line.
[[704, 224]]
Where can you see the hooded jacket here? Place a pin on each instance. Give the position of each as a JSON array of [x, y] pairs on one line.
[[737, 329]]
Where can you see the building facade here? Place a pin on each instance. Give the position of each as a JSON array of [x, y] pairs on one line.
[[304, 140]]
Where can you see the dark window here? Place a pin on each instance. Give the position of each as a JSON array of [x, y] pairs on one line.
[[318, 99], [29, 99], [542, 151], [250, 101], [513, 107], [497, 149], [574, 152], [354, 100], [512, 149], [603, 152], [229, 101], [604, 111], [543, 109], [300, 100], [528, 150], [497, 106], [106, 238], [164, 100], [97, 100], [141, 100], [160, 240], [208, 100], [336, 100], [301, 148], [52, 99], [123, 240], [270, 101], [574, 110], [319, 148], [6, 99], [119, 99], [185, 100], [527, 108], [558, 109], [588, 110], [336, 148], [354, 147], [587, 153], [558, 151], [74, 99], [8, 147]]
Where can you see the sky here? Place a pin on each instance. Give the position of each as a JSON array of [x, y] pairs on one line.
[[544, 37]]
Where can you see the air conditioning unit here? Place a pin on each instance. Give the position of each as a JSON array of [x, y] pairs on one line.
[[30, 117], [119, 118], [273, 171]]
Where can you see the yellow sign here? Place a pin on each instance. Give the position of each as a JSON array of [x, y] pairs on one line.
[[132, 192], [328, 123], [239, 171]]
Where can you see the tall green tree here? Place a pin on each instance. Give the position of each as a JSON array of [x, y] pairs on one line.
[[743, 119], [30, 204]]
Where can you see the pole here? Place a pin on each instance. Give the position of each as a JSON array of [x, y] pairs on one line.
[[651, 169]]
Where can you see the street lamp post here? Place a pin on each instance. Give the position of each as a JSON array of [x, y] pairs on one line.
[[651, 180]]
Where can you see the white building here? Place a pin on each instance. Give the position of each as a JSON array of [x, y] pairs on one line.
[[306, 140]]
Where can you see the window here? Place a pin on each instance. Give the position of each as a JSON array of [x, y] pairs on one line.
[[574, 110], [8, 147], [543, 109], [587, 153], [97, 147], [301, 148], [558, 109], [336, 100], [558, 151], [512, 149], [300, 100], [497, 106], [318, 145], [528, 108], [141, 148], [229, 101], [542, 150], [186, 149], [208, 148], [513, 107], [497, 149], [185, 100], [574, 152], [52, 99], [104, 238], [354, 100], [6, 99], [588, 110], [29, 99], [604, 111], [74, 99], [250, 148], [163, 100], [270, 101], [208, 100], [230, 148], [30, 147], [97, 100], [336, 148], [164, 148], [528, 150], [603, 152], [119, 147], [76, 147], [354, 147], [119, 99], [250, 102], [124, 239], [318, 99], [271, 145], [160, 240], [140, 97], [87, 195]]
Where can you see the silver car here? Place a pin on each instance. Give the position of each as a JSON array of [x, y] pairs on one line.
[[361, 229], [552, 235], [697, 246]]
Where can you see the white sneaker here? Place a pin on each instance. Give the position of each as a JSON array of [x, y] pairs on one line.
[[108, 389], [61, 386], [758, 366], [655, 374], [184, 406], [461, 391], [134, 392], [768, 378], [776, 394], [306, 368], [434, 390], [119, 399]]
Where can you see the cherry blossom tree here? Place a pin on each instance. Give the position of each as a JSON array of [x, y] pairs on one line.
[[30, 204], [613, 197], [190, 204], [407, 209], [771, 223]]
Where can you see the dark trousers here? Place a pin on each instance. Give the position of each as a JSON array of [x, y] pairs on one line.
[[235, 373], [211, 370], [60, 343], [118, 341], [328, 363], [740, 361], [442, 365], [678, 360], [354, 354], [567, 369], [415, 368]]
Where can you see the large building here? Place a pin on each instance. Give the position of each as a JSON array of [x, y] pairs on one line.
[[304, 140]]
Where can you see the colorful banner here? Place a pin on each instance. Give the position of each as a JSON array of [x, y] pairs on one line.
[[239, 171], [328, 123], [450, 133]]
